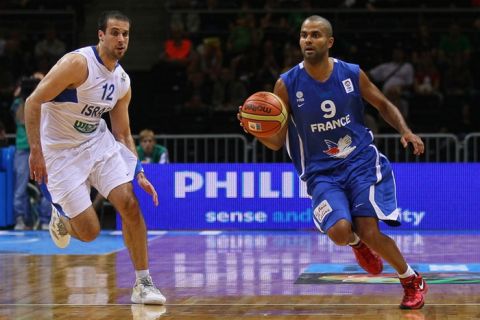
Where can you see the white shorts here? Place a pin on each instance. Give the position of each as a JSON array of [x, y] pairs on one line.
[[101, 162]]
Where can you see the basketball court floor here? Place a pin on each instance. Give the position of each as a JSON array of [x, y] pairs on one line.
[[233, 275]]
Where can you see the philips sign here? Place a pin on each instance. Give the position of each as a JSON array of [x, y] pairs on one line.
[[270, 196], [233, 185]]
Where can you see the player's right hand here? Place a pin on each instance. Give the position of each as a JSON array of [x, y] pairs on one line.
[[38, 169]]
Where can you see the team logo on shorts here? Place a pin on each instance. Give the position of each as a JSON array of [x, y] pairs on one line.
[[341, 149], [322, 210]]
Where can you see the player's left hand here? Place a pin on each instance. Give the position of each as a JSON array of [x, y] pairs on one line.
[[416, 141], [147, 186]]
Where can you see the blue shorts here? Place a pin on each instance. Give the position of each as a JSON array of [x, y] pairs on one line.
[[363, 186]]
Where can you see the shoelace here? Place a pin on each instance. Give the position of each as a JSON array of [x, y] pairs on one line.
[[410, 291], [411, 288], [148, 284]]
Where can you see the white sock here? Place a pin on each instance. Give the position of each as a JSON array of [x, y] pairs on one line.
[[355, 241], [142, 273], [407, 273]]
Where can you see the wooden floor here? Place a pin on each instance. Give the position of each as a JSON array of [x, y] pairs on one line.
[[229, 276]]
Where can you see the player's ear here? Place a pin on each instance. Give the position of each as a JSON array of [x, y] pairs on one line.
[[331, 40], [100, 35]]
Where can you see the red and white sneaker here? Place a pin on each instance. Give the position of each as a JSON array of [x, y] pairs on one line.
[[415, 290], [368, 259]]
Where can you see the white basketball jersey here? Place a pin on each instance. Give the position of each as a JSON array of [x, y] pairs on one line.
[[74, 116]]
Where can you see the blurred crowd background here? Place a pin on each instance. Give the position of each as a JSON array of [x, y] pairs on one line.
[[192, 63]]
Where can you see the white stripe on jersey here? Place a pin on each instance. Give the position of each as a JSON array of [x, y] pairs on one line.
[[302, 154]]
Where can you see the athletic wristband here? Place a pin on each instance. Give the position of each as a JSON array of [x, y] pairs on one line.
[[138, 168]]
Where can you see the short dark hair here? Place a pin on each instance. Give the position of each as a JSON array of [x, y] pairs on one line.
[[327, 23], [112, 14]]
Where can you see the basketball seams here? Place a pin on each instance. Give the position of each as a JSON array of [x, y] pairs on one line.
[[284, 108], [277, 118]]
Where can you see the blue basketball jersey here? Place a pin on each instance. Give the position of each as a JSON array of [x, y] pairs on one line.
[[326, 125]]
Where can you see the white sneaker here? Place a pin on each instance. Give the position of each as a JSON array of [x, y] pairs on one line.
[[57, 229], [146, 312], [145, 292], [19, 224]]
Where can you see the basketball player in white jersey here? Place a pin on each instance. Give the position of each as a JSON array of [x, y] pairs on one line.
[[72, 148]]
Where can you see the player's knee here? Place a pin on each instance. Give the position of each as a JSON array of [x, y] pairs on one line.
[[89, 234], [339, 239], [85, 226], [368, 235], [340, 232], [129, 208]]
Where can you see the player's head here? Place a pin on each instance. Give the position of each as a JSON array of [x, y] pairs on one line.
[[113, 33], [316, 38], [147, 140]]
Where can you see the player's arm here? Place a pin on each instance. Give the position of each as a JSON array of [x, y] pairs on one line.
[[120, 123], [390, 113], [277, 141], [69, 72]]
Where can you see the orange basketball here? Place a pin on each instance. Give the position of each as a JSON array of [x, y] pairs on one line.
[[263, 114]]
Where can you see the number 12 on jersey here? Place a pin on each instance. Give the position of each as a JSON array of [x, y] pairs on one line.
[[108, 91]]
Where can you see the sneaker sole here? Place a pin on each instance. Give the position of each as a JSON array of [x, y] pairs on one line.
[[412, 308], [145, 301], [58, 243], [424, 292]]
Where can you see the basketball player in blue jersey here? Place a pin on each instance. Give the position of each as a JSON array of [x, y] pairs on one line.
[[72, 148], [351, 183]]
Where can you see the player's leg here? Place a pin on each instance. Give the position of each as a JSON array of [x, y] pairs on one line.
[[135, 235], [377, 201], [85, 226], [72, 215], [373, 198], [133, 224], [367, 229], [331, 215], [112, 178], [414, 286]]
